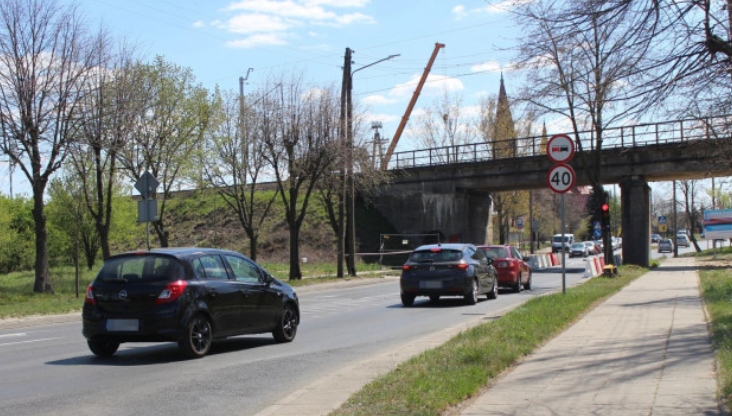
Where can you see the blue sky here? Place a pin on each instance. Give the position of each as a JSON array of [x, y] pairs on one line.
[[220, 39]]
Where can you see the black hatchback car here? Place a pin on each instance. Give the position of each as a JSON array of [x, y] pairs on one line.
[[186, 295], [448, 270]]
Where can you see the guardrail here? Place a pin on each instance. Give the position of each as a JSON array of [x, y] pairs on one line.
[[625, 137]]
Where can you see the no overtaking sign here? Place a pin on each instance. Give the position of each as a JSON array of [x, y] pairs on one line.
[[560, 150]]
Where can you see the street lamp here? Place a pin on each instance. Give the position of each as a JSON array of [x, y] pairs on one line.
[[349, 231]]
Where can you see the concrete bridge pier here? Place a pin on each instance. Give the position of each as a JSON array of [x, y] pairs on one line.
[[636, 222], [459, 214]]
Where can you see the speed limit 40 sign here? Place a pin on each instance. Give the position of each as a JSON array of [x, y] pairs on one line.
[[561, 178]]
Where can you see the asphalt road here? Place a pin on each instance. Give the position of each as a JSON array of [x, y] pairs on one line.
[[48, 369]]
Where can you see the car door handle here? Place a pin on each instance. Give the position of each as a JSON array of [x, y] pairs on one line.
[[213, 293], [246, 294]]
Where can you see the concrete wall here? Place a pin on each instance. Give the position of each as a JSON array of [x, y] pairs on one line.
[[458, 214]]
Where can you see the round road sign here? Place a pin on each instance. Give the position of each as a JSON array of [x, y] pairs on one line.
[[560, 148], [560, 178]]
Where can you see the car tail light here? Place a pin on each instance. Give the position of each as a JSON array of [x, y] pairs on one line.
[[408, 267], [462, 266], [171, 292], [89, 297]]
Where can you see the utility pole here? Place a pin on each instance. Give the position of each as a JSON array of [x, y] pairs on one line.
[[344, 186], [351, 213]]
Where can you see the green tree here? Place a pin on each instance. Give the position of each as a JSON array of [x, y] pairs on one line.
[[16, 234], [70, 222], [169, 130]]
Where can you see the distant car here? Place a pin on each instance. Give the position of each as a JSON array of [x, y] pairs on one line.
[[592, 248], [512, 269], [448, 270], [655, 238], [682, 240], [191, 296], [665, 245], [578, 250]]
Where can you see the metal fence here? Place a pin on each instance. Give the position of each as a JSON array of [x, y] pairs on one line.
[[625, 137]]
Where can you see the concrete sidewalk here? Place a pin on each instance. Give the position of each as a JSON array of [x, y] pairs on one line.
[[645, 351]]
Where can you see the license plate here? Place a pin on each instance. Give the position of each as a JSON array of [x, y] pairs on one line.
[[431, 284], [123, 325]]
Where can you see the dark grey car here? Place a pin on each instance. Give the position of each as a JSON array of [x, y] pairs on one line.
[[448, 270]]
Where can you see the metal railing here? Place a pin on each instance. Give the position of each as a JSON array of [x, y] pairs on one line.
[[625, 137]]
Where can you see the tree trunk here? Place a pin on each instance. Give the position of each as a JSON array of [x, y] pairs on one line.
[[43, 282], [295, 272], [253, 241]]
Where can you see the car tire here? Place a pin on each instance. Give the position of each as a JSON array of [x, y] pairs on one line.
[[102, 348], [517, 287], [198, 337], [527, 286], [472, 297], [287, 325], [435, 298], [493, 294], [407, 300]]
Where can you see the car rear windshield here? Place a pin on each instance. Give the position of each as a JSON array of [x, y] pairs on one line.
[[436, 256], [496, 252], [141, 267]]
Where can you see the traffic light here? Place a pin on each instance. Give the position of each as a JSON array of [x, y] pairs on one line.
[[605, 213]]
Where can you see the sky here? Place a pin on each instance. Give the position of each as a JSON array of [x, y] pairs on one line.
[[220, 40], [223, 40]]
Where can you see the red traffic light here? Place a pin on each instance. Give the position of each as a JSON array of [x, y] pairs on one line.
[[605, 207]]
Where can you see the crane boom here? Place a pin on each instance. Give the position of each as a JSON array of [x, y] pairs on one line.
[[415, 95]]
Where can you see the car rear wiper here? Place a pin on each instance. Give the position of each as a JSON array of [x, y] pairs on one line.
[[116, 279]]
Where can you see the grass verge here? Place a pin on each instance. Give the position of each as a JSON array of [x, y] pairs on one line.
[[716, 287], [431, 382]]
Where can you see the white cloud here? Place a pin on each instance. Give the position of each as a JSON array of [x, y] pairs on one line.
[[198, 24], [459, 11], [435, 84], [384, 118], [490, 66], [377, 99], [258, 40], [339, 3], [267, 16], [253, 23]]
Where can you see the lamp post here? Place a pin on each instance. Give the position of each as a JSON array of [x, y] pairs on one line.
[[349, 231]]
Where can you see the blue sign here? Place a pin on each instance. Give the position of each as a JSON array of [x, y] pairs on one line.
[[662, 219], [519, 223], [598, 229]]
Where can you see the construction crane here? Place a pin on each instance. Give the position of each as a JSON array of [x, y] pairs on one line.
[[405, 118]]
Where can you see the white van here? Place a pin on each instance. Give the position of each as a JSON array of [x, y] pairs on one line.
[[558, 245]]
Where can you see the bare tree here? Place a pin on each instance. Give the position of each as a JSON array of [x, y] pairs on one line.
[[300, 132], [168, 130], [235, 163], [584, 67], [106, 127], [46, 57], [444, 124], [689, 190]]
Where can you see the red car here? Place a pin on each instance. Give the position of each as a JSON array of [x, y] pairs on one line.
[[512, 270]]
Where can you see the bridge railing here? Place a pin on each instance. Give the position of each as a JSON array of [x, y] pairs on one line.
[[624, 137]]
